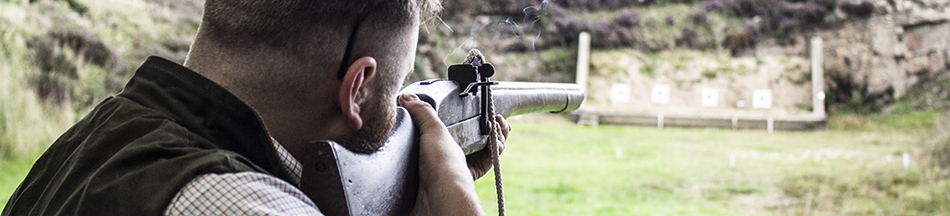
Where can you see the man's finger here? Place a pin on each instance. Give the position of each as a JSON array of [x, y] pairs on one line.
[[502, 128], [503, 124], [421, 112]]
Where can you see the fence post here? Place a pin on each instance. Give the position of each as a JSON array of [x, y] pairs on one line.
[[583, 60], [817, 78]]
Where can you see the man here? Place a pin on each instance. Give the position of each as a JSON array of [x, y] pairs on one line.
[[220, 134]]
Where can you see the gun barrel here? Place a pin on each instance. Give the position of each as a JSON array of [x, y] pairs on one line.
[[460, 113], [518, 98]]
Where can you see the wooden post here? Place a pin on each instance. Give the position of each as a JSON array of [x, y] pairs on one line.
[[817, 78], [583, 60]]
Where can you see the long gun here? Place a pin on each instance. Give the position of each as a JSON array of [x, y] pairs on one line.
[[341, 182]]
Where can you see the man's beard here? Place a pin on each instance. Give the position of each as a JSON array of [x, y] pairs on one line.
[[375, 130]]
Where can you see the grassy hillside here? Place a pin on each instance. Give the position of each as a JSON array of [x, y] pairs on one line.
[[59, 58]]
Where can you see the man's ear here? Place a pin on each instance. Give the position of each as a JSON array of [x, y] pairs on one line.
[[358, 74]]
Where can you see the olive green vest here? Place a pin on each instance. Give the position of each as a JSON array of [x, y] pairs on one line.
[[135, 151]]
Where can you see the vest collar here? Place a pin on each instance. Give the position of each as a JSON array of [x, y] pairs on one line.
[[205, 108]]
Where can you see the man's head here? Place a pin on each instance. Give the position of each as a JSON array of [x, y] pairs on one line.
[[312, 69]]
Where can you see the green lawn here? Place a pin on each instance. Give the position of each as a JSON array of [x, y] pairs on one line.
[[553, 167]]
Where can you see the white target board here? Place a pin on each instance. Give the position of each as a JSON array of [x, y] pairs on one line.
[[620, 93], [710, 97], [762, 99], [661, 94]]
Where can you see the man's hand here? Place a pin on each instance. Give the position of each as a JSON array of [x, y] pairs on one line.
[[480, 162], [446, 186]]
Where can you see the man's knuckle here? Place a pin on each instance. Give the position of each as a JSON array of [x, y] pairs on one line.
[[414, 106]]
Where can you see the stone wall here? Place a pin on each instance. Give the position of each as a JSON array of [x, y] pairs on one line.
[[877, 59]]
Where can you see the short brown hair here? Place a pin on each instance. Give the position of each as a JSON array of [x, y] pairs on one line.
[[274, 22], [317, 34]]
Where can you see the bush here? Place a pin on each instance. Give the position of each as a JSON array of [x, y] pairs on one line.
[[738, 42], [711, 5], [628, 18], [829, 5], [710, 74], [84, 43], [58, 54], [590, 5], [699, 19], [568, 29], [605, 35], [811, 13], [752, 8], [626, 37], [751, 27], [863, 9], [612, 3], [687, 38], [782, 17], [603, 29], [74, 6], [681, 1], [941, 151]]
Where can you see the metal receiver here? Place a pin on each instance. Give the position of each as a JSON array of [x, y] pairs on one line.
[[461, 113]]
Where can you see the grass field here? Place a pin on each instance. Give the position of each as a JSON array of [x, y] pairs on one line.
[[552, 167]]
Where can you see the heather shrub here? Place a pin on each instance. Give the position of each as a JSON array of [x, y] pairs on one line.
[[829, 5], [59, 54], [568, 29], [604, 35], [781, 17], [751, 27], [83, 43], [612, 3], [811, 13], [711, 5], [699, 19], [596, 4], [626, 37], [751, 8], [739, 42], [603, 29], [687, 38], [628, 18], [863, 9]]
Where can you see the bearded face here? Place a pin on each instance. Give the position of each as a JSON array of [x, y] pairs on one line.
[[379, 111], [378, 120]]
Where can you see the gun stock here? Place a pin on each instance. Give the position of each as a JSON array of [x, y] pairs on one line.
[[385, 182]]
